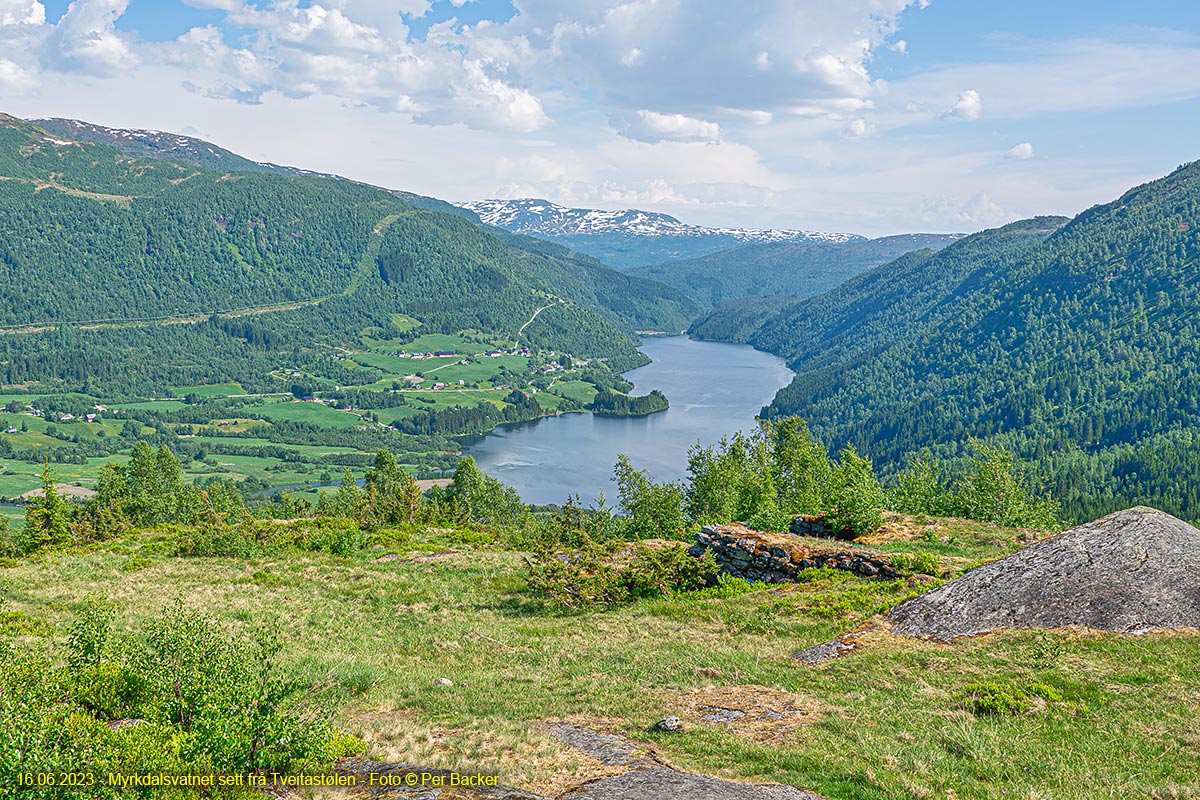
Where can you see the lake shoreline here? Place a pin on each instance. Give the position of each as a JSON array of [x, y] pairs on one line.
[[714, 389]]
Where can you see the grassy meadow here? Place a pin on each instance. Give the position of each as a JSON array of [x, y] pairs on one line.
[[1114, 716]]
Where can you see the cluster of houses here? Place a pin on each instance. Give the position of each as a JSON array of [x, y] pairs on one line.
[[517, 351], [64, 417]]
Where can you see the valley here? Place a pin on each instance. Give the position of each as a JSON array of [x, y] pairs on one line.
[[307, 478]]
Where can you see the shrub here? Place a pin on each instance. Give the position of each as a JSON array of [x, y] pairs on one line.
[[916, 564], [854, 498], [227, 693], [1046, 692], [995, 699], [339, 537], [729, 586], [110, 690], [996, 489], [90, 633], [607, 574]]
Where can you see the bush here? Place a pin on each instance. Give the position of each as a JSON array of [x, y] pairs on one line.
[[110, 691], [228, 694], [251, 537], [339, 537], [916, 564], [995, 699], [602, 575], [854, 499], [728, 586], [996, 489]]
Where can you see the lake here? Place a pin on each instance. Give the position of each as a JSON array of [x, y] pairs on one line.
[[715, 389]]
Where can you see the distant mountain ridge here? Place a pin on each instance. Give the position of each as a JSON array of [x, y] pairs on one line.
[[140, 143], [785, 269], [630, 237]]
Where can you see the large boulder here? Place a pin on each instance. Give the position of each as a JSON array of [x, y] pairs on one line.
[[1134, 571]]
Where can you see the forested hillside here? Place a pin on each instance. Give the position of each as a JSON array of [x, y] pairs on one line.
[[1074, 343], [795, 269], [88, 235]]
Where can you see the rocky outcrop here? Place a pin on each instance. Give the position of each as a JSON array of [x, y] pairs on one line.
[[648, 778], [776, 557], [1134, 571]]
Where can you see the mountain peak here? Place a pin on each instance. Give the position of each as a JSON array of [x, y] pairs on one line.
[[629, 237], [143, 143], [537, 217]]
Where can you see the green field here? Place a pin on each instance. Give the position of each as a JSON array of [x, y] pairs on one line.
[[150, 405], [276, 473], [18, 477], [212, 390], [313, 413], [482, 369], [580, 391]]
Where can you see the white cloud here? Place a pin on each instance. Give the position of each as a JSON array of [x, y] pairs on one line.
[[968, 106], [22, 12], [14, 80], [86, 39], [978, 211], [632, 58], [859, 129], [651, 126], [1022, 151]]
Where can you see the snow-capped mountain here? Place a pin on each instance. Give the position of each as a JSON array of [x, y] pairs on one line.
[[171, 146], [631, 237]]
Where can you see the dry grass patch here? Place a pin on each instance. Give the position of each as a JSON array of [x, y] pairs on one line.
[[521, 753], [759, 713]]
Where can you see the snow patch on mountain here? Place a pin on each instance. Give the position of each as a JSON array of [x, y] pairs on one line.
[[542, 218]]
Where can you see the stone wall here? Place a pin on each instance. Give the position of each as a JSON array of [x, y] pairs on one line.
[[777, 557]]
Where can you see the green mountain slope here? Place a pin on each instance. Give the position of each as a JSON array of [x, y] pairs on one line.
[[89, 234], [796, 269], [1076, 344], [162, 145]]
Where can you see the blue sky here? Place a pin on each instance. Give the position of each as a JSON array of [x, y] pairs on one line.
[[871, 116]]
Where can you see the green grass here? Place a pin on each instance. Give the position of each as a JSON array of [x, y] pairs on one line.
[[151, 405], [580, 391], [314, 413], [483, 369], [273, 471], [883, 723], [14, 515], [211, 390], [18, 477]]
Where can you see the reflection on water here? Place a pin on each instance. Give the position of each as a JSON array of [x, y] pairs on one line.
[[714, 389]]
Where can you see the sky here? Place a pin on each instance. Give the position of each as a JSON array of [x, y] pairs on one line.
[[866, 116]]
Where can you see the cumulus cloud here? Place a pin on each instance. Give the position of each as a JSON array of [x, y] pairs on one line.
[[22, 12], [15, 80], [968, 106], [859, 129], [694, 63], [651, 126], [1022, 151], [979, 211], [86, 39]]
